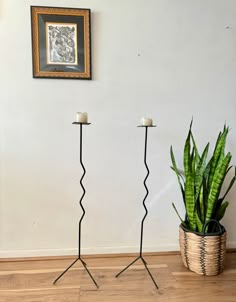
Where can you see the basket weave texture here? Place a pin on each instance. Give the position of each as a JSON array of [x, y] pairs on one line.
[[202, 253]]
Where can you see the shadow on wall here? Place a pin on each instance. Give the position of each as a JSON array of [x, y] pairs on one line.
[[149, 205]]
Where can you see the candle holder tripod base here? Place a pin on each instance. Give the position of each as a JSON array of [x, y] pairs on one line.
[[84, 265], [146, 212], [145, 265], [80, 221]]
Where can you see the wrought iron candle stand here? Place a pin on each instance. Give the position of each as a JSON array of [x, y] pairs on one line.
[[141, 237], [80, 221]]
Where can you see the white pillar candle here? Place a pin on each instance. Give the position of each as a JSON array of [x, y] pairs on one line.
[[146, 121], [81, 117]]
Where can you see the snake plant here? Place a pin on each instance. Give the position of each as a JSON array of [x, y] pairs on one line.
[[201, 181]]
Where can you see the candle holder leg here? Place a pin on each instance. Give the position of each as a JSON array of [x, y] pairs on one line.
[[127, 267], [59, 277], [144, 261], [90, 275], [153, 280], [142, 223], [80, 221]]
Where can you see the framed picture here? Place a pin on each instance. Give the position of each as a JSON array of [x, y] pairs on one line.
[[61, 46]]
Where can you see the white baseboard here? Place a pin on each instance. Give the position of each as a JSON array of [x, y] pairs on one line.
[[231, 245], [84, 251], [90, 251]]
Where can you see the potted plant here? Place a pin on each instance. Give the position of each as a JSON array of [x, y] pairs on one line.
[[202, 237]]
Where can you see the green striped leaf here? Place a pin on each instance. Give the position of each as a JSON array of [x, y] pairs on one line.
[[189, 184], [201, 203], [199, 223], [216, 185], [218, 152], [197, 156], [200, 171]]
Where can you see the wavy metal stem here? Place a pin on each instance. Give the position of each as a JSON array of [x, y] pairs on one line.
[[147, 192], [84, 192]]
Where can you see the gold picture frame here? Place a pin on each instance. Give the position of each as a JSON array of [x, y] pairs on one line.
[[61, 43]]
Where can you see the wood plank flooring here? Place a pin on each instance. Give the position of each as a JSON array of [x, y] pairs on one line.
[[32, 281]]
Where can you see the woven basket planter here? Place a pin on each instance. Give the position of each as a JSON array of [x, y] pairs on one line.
[[202, 253]]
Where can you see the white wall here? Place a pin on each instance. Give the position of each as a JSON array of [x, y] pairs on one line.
[[170, 60]]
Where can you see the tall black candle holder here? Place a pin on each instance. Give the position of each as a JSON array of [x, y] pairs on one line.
[[146, 212], [80, 221]]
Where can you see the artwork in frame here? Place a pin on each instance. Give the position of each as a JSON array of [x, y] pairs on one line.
[[61, 42]]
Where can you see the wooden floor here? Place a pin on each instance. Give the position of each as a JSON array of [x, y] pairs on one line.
[[32, 281]]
